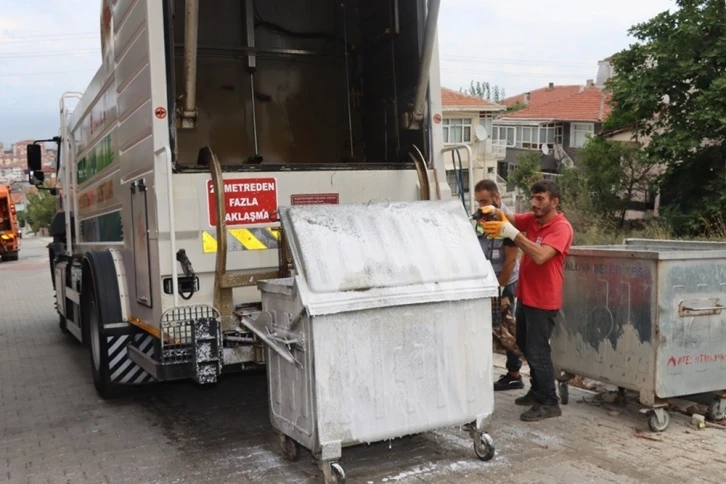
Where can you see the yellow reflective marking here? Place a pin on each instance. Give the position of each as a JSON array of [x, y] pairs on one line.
[[209, 243], [248, 241], [275, 231], [144, 326]]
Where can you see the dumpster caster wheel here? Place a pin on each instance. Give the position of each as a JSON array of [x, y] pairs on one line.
[[333, 473], [658, 424], [717, 410], [564, 393], [484, 447], [290, 448]]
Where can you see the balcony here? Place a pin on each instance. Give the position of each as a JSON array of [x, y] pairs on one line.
[[492, 150]]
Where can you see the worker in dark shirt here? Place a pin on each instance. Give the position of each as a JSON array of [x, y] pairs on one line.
[[502, 254]]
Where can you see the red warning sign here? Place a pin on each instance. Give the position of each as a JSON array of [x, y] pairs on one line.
[[315, 199], [160, 112], [247, 201], [437, 118]]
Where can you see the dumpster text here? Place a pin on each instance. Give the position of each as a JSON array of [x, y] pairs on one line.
[[628, 270], [704, 358]]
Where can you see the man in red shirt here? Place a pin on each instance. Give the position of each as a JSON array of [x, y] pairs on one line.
[[545, 236]]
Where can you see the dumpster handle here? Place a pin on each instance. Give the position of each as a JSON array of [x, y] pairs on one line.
[[378, 200], [261, 328], [714, 308], [684, 310]]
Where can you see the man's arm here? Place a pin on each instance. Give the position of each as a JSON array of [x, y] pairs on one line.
[[510, 260], [538, 253], [557, 241]]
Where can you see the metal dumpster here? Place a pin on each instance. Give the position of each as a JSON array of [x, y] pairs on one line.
[[648, 316], [384, 330]]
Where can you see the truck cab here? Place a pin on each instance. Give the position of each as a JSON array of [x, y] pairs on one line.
[[9, 228]]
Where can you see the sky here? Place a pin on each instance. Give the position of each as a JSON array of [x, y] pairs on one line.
[[48, 47]]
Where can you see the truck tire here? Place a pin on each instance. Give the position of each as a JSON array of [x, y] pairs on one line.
[[100, 304], [10, 256]]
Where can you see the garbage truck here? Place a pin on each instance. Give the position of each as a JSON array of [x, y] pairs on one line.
[[203, 119], [9, 228]]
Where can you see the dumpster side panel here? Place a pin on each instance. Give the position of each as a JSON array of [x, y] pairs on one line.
[[606, 327], [385, 373], [289, 385], [692, 350]]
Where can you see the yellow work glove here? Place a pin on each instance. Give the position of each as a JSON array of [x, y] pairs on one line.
[[501, 228]]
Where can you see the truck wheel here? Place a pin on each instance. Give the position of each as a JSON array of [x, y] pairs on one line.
[[10, 256], [100, 304]]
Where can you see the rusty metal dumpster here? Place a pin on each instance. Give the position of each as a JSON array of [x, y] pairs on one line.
[[648, 316], [383, 331]]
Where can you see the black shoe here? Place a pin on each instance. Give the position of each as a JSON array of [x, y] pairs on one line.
[[508, 382], [541, 412], [527, 400]]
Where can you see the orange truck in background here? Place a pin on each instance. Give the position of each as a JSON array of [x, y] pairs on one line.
[[9, 229]]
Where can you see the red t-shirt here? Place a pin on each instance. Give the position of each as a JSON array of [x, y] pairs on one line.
[[540, 286]]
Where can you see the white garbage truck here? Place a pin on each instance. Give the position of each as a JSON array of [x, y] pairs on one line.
[[203, 119]]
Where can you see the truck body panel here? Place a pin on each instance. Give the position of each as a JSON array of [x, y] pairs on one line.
[[301, 102]]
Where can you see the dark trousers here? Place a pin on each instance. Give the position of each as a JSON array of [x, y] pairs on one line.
[[534, 329], [514, 364]]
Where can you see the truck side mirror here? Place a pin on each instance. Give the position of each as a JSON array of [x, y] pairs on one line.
[[35, 164]]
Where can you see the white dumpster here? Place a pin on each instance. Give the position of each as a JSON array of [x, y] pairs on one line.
[[383, 331]]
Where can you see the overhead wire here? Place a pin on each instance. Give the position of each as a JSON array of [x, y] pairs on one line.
[[45, 36], [19, 55], [47, 73], [14, 42], [511, 61]]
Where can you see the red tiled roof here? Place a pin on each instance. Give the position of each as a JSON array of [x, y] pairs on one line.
[[543, 95], [451, 98], [591, 104]]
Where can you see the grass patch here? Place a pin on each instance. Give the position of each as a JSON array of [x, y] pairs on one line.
[[594, 230]]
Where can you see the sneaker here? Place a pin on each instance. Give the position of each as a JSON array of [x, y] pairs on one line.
[[508, 382], [541, 412], [527, 400]]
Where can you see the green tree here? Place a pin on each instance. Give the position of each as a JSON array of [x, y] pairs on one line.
[[670, 86], [528, 171], [613, 174], [40, 208], [484, 90]]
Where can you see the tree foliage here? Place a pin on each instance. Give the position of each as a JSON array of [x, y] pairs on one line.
[[612, 175], [670, 86], [484, 90], [527, 172], [40, 208]]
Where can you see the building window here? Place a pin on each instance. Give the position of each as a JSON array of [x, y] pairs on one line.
[[550, 134], [504, 135], [454, 185], [528, 137], [578, 132], [486, 122], [457, 130]]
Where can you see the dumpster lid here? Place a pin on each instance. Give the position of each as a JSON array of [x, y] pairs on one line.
[[357, 256], [655, 249]]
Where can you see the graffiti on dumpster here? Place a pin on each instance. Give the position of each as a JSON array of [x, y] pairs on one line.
[[703, 358], [604, 296]]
